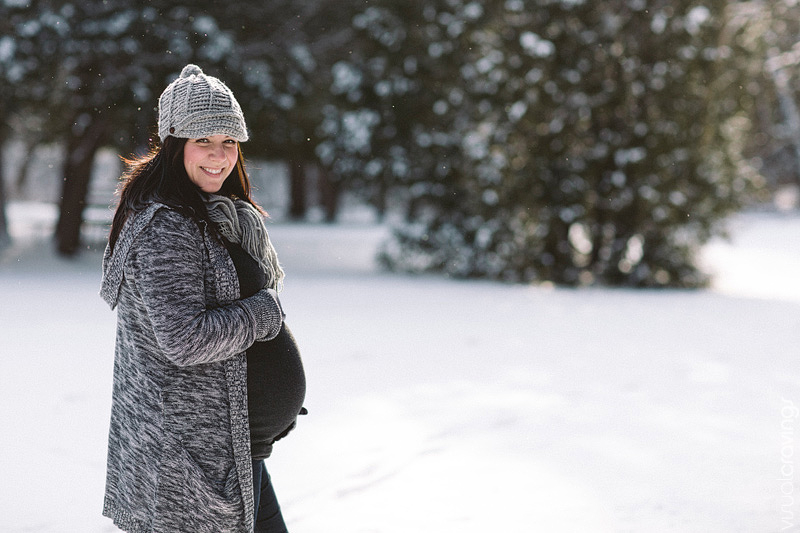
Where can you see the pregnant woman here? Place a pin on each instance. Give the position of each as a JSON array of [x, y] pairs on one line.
[[206, 376]]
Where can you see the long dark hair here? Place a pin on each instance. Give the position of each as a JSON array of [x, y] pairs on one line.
[[160, 176]]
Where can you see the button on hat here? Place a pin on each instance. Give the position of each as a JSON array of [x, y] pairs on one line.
[[196, 105]]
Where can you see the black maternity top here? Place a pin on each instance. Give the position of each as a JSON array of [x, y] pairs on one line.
[[276, 382]]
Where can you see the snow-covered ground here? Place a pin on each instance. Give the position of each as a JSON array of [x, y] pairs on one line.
[[450, 406]]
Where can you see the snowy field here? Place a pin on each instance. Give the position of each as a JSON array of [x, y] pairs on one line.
[[441, 406]]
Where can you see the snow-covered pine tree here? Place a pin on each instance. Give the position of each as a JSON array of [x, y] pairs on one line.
[[372, 101], [596, 142]]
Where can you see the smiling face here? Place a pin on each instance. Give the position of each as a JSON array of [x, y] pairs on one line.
[[210, 160]]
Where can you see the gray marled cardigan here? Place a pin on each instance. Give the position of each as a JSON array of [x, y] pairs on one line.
[[179, 443]]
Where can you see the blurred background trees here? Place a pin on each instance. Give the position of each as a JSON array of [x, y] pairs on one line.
[[594, 143], [538, 140]]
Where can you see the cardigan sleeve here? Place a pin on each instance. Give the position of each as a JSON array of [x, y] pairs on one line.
[[166, 268]]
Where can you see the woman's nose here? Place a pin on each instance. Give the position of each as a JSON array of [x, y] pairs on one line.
[[217, 153]]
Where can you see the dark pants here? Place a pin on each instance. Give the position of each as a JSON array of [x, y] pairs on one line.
[[268, 513]]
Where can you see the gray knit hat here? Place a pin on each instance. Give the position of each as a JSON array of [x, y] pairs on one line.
[[196, 105]]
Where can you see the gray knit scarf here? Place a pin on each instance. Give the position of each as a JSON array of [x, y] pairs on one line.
[[240, 222]]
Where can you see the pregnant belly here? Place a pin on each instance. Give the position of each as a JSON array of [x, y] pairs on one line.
[[276, 387]]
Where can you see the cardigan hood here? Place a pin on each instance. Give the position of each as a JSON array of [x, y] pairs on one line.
[[113, 262]]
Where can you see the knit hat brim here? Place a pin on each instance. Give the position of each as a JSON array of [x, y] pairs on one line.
[[198, 125]]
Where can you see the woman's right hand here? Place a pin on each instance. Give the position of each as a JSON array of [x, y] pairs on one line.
[[269, 314]]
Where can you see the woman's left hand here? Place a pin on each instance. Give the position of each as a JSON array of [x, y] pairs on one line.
[[303, 411]]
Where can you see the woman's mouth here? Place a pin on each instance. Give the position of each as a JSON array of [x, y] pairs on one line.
[[212, 171]]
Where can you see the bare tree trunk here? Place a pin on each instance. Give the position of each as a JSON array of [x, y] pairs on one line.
[[5, 236], [382, 198], [329, 192], [298, 191], [22, 171], [77, 174]]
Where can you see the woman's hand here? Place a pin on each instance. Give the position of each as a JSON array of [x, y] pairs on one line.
[[269, 314]]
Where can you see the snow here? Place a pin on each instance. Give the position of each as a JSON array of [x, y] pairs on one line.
[[441, 405], [535, 45]]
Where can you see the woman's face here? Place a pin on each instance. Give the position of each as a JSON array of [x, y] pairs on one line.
[[210, 160]]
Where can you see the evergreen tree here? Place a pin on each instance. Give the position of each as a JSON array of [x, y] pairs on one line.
[[374, 100], [597, 143], [21, 88], [282, 61], [91, 71]]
